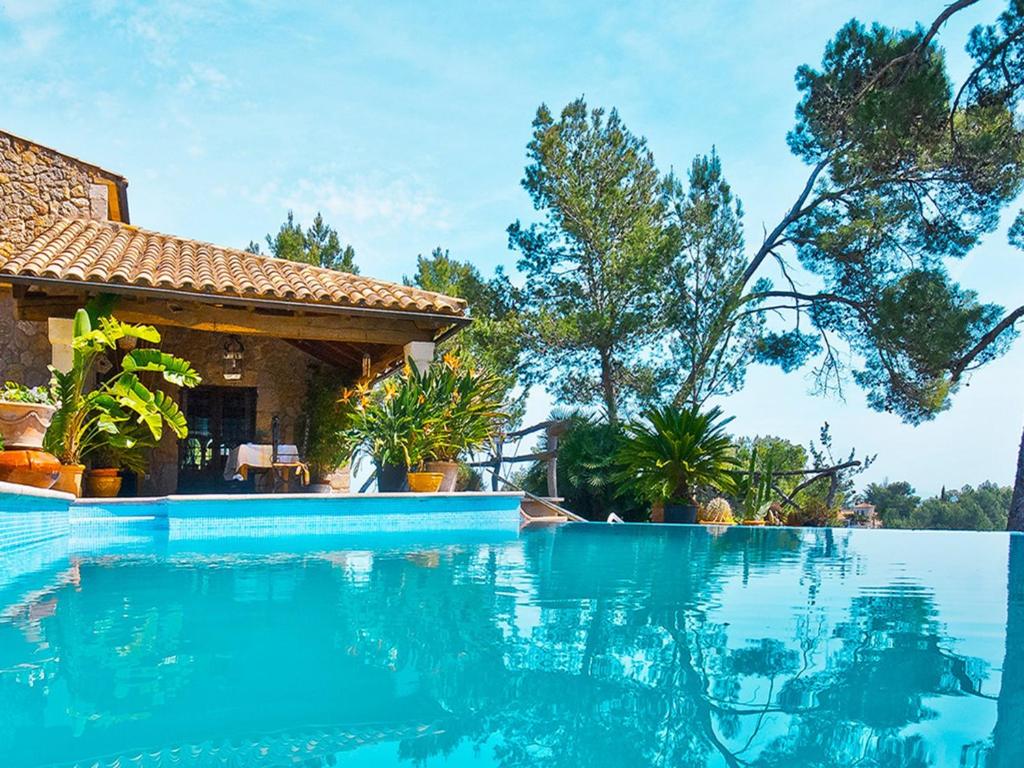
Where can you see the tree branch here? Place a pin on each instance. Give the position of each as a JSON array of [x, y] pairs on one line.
[[957, 367]]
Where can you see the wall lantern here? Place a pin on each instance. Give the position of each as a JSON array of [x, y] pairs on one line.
[[234, 354]]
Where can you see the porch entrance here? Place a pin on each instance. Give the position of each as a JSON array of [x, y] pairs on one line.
[[219, 419]]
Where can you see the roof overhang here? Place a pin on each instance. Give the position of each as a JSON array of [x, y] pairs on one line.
[[366, 342]]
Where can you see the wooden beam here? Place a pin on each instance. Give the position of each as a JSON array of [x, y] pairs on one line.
[[221, 319]]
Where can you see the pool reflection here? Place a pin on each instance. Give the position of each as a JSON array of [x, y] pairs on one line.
[[584, 645]]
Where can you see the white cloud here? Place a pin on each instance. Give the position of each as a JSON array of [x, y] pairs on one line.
[[33, 21], [205, 78], [365, 205]]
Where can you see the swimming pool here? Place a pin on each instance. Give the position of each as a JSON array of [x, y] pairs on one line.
[[578, 645]]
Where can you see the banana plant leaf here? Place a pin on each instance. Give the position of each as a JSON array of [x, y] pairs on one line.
[[174, 369]]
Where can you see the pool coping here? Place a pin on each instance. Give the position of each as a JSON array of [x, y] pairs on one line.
[[15, 489], [92, 501]]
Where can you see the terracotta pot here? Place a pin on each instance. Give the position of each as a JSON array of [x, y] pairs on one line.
[[753, 522], [35, 468], [22, 425], [450, 471], [102, 483], [69, 479], [425, 482], [658, 512]]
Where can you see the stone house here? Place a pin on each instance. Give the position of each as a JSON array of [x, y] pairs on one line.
[[253, 326]]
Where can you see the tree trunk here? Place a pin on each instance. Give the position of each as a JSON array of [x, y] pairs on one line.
[[1016, 520], [608, 386]]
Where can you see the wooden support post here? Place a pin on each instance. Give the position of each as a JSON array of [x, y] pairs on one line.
[[496, 465], [553, 432]]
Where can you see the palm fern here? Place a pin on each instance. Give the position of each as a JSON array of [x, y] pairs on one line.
[[675, 453]]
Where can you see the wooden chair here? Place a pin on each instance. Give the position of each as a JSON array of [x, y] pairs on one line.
[[284, 467]]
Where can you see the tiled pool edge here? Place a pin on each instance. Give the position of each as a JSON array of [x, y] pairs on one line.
[[29, 516]]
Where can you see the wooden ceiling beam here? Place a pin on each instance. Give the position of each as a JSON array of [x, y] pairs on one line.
[[222, 319]]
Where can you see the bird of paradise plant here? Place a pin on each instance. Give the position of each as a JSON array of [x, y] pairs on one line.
[[121, 412], [419, 416], [471, 405]]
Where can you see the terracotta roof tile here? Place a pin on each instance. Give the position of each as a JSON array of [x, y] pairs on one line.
[[83, 250]]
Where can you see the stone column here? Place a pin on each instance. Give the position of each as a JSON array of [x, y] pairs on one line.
[[60, 332], [421, 353]]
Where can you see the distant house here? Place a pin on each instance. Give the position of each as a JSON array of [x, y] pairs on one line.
[[860, 515], [252, 325]]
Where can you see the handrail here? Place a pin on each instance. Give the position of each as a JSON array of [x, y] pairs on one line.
[[546, 502]]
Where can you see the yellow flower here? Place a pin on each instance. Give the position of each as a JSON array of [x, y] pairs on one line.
[[406, 368], [346, 395], [390, 389], [451, 361]]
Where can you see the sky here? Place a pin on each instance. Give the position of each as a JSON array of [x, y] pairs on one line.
[[406, 124]]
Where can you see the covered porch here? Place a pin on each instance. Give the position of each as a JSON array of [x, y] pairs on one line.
[[253, 326]]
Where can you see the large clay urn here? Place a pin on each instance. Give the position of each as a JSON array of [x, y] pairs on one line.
[[29, 467], [22, 425]]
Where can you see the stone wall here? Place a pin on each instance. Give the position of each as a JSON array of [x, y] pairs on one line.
[[278, 370], [24, 347], [38, 186]]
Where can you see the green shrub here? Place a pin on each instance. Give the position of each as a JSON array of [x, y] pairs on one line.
[[586, 464]]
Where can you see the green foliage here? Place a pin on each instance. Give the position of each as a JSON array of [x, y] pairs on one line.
[[593, 263], [418, 416], [815, 513], [894, 502], [675, 454], [391, 424], [907, 171], [710, 342], [838, 490], [329, 422], [469, 403], [586, 471], [921, 323], [318, 245], [13, 392], [121, 412], [753, 487], [984, 508], [493, 340], [905, 176]]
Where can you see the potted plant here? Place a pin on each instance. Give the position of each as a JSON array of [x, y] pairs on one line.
[[394, 425], [25, 414], [672, 455], [103, 478], [121, 412], [718, 511], [471, 406], [330, 442]]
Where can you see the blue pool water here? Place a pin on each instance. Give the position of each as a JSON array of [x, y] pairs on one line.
[[583, 645]]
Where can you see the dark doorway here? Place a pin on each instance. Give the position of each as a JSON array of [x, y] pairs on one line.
[[219, 419]]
